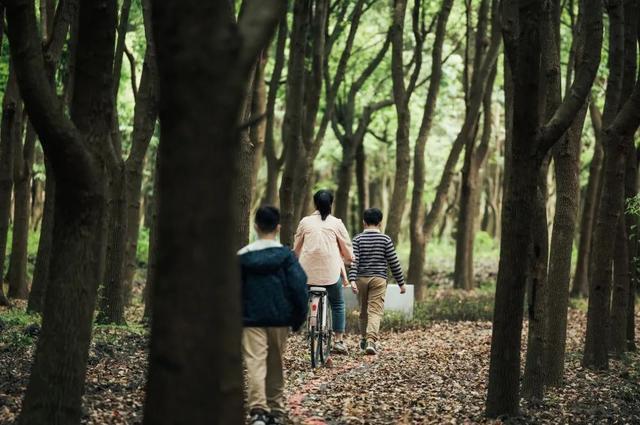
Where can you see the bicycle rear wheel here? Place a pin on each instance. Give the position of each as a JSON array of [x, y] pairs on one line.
[[315, 358], [327, 335]]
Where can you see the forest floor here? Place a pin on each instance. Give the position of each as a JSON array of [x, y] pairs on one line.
[[433, 373]]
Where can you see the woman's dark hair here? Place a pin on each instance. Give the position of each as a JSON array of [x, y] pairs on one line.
[[323, 200]]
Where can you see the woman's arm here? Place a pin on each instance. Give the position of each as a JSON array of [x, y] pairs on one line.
[[298, 239], [344, 243]]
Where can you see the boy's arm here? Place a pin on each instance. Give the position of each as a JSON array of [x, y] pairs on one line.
[[394, 263], [298, 292], [353, 271]]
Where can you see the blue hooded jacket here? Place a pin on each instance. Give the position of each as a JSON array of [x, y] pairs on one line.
[[274, 288]]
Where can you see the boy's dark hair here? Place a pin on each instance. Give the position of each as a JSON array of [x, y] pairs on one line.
[[267, 219], [372, 216], [323, 199]]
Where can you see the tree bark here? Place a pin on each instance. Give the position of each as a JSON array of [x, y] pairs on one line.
[[580, 285], [23, 165], [416, 217], [194, 378]]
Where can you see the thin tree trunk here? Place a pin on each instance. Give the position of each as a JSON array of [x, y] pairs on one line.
[[43, 258], [566, 162], [23, 165], [274, 163], [469, 197], [580, 285], [416, 217], [401, 101], [10, 117], [620, 294], [144, 122], [631, 188], [362, 181], [152, 260], [533, 380]]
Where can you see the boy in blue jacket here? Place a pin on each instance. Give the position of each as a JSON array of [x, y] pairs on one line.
[[274, 298]]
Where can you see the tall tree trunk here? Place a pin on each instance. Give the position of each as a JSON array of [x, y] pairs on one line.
[[75, 150], [10, 120], [416, 216], [194, 378], [530, 143], [580, 285], [622, 269], [611, 200], [23, 165]]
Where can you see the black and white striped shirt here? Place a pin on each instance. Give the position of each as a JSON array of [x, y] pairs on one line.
[[373, 254]]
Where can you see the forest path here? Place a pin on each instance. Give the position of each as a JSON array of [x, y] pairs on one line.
[[438, 375]]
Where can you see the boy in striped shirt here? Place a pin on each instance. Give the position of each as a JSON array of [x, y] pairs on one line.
[[374, 253]]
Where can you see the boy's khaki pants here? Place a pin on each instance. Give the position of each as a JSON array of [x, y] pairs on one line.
[[263, 350], [371, 292]]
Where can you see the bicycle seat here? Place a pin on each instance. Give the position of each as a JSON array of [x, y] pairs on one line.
[[317, 289]]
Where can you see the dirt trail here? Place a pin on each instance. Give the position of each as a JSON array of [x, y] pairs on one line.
[[437, 375]]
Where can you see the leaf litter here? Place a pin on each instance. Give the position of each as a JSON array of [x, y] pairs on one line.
[[432, 375]]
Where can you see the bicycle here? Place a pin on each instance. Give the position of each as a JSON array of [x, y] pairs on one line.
[[319, 326]]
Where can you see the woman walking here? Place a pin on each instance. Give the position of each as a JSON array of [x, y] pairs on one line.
[[323, 246]]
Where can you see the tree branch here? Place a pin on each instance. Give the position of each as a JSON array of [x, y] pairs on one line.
[[585, 75], [256, 25]]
